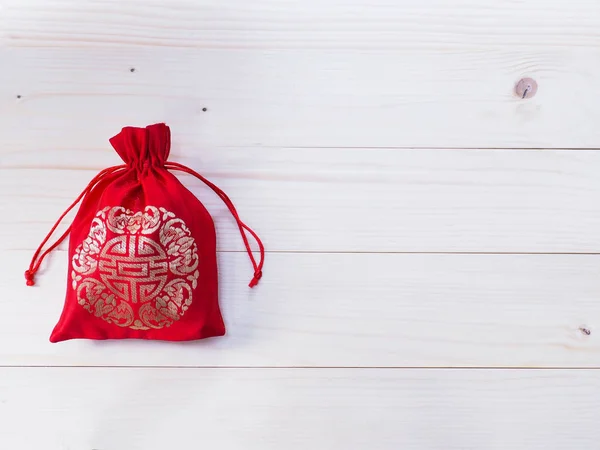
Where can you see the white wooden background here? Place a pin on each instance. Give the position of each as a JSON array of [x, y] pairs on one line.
[[432, 277]]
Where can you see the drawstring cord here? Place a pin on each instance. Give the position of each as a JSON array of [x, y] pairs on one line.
[[36, 261], [241, 225]]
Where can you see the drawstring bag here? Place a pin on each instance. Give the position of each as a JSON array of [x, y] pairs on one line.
[[142, 251]]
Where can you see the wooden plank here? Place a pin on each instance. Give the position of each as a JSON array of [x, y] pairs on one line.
[[347, 310], [331, 24], [307, 73], [298, 409], [349, 200]]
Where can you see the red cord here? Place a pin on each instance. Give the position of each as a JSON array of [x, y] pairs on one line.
[[36, 261], [241, 225]]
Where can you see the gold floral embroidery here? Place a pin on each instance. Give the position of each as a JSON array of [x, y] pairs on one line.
[[124, 278]]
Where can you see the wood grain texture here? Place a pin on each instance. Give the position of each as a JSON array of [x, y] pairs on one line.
[[347, 200], [333, 24], [346, 310], [154, 409], [302, 73]]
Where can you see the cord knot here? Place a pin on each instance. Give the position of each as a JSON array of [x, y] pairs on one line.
[[256, 278], [29, 277]]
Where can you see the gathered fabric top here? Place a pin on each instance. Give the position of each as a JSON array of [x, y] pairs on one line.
[[143, 147]]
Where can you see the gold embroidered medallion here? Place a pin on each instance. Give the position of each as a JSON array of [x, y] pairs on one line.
[[136, 270]]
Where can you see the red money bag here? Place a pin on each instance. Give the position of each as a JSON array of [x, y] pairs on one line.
[[142, 250]]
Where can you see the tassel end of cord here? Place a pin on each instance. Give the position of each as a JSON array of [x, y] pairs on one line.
[[255, 279], [29, 278]]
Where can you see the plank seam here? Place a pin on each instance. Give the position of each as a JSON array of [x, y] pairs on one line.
[[41, 366]]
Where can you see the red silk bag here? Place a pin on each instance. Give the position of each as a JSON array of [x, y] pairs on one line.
[[142, 251]]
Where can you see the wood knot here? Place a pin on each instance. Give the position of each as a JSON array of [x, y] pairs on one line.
[[526, 88], [585, 331]]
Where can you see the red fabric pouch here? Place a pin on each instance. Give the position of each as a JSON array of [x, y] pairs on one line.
[[142, 251]]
